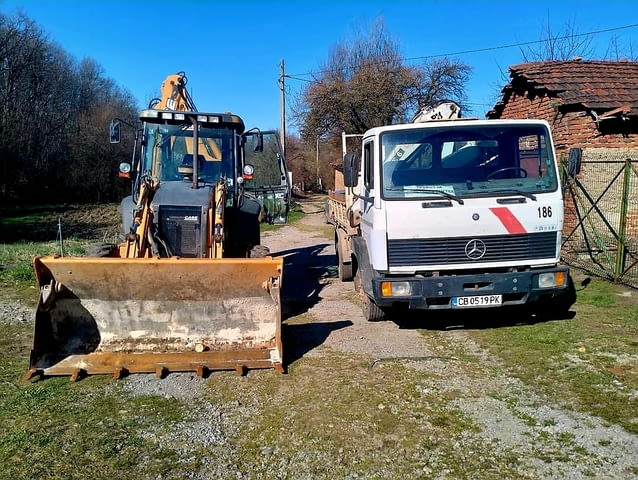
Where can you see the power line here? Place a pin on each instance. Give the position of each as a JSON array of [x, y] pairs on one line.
[[486, 49], [293, 77]]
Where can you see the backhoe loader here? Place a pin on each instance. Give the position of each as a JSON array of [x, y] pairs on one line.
[[188, 288]]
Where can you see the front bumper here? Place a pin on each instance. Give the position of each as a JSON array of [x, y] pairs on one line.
[[437, 292]]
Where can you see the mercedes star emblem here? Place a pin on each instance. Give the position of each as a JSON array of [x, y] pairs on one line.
[[475, 249]]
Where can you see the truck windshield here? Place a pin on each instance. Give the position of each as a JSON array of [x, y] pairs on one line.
[[467, 161], [169, 153]]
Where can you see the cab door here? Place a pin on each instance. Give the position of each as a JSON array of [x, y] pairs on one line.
[[270, 182]]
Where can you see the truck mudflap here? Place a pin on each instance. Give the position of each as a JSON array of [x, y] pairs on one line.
[[143, 315]]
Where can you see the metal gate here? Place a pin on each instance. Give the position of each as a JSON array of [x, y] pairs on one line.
[[601, 218]]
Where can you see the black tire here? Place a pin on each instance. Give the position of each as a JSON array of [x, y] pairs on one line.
[[101, 250], [371, 311]]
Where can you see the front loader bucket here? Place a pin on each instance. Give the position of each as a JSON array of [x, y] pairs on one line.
[[120, 315]]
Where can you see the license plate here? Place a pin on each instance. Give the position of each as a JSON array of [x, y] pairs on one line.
[[477, 301]]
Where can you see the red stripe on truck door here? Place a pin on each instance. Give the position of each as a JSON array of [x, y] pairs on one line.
[[509, 221]]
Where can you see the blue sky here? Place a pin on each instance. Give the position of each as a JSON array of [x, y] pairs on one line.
[[231, 50]]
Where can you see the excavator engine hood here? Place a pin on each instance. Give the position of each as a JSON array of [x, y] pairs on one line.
[[133, 315]]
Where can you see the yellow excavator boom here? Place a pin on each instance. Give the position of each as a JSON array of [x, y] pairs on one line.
[[174, 94]]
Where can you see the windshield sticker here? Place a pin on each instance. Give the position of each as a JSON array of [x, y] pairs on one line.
[[439, 188]]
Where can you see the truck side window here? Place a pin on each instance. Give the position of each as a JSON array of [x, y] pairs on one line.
[[531, 148], [368, 165]]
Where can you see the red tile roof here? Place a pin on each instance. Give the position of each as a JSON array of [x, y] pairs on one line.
[[594, 85]]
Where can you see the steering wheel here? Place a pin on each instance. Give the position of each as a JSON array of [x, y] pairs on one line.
[[523, 172]]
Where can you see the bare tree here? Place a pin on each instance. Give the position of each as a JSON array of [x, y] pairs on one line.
[[563, 45], [54, 116], [617, 51], [365, 83], [440, 79], [298, 155]]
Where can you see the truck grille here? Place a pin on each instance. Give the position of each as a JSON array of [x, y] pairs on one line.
[[449, 251], [181, 228]]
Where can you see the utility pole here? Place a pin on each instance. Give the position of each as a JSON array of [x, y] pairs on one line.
[[317, 164], [282, 107]]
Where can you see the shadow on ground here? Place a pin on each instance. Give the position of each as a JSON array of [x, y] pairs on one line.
[[304, 269], [299, 339], [305, 272], [477, 319]]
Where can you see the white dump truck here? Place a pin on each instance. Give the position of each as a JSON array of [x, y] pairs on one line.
[[453, 214]]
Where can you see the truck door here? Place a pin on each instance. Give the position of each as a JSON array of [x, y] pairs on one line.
[[270, 182]]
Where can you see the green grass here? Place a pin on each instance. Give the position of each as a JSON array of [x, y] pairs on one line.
[[22, 226], [294, 215], [89, 429], [21, 221], [17, 277], [587, 363], [345, 416]]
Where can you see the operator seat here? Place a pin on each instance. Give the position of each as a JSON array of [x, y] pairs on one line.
[[185, 169]]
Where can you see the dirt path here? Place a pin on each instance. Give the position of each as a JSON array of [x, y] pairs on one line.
[[311, 285]]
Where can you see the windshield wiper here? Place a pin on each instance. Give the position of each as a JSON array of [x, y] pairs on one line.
[[508, 191], [428, 190], [513, 191]]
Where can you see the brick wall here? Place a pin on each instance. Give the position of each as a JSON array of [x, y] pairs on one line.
[[569, 130]]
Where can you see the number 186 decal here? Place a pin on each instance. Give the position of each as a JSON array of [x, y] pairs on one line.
[[545, 211]]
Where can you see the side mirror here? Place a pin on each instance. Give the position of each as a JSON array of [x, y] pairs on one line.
[[350, 169], [259, 143], [114, 131], [574, 161]]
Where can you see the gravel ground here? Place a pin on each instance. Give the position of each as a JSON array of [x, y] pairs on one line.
[[520, 423]]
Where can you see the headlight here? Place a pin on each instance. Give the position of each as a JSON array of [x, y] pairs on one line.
[[552, 279], [396, 289], [149, 114]]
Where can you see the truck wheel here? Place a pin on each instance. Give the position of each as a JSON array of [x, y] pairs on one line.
[[344, 269], [371, 311]]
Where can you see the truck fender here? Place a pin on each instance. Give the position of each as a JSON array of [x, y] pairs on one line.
[[342, 240], [363, 266]]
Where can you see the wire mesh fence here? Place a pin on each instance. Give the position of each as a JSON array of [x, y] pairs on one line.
[[601, 216]]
